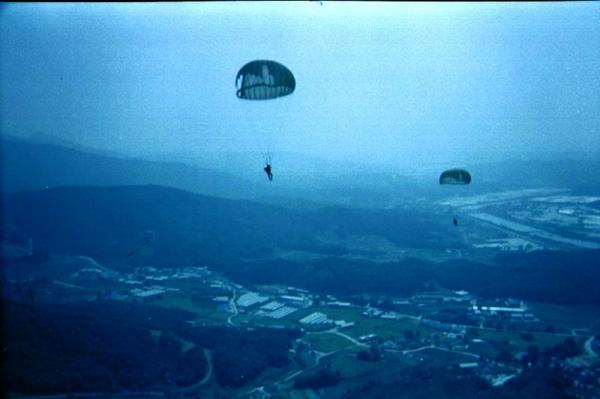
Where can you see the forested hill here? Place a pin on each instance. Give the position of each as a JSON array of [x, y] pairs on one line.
[[159, 226], [109, 223], [111, 346]]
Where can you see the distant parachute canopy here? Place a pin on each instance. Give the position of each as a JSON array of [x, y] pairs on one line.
[[264, 80], [455, 176]]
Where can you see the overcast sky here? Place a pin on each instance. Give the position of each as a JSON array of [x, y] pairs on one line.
[[398, 83]]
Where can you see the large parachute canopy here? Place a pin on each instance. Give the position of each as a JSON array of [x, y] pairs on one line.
[[264, 80], [455, 176]]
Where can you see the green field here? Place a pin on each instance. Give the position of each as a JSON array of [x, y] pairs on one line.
[[327, 342], [385, 329], [303, 394], [364, 325], [443, 357], [350, 367]]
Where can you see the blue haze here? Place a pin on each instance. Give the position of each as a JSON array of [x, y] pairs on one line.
[[405, 85]]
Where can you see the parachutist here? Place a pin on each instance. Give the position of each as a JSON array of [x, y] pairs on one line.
[[268, 171], [455, 177], [264, 80]]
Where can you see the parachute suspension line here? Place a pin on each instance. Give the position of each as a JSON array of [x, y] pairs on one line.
[[463, 232], [262, 130], [275, 130], [262, 142], [266, 137], [465, 191], [262, 147], [267, 158], [257, 128], [250, 124]]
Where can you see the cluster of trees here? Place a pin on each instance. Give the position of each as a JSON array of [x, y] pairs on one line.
[[337, 276], [562, 350], [373, 354], [55, 352], [242, 355], [107, 346], [440, 382], [322, 378], [545, 276], [108, 223], [562, 277], [534, 355]]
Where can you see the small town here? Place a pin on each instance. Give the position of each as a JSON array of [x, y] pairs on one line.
[[453, 328]]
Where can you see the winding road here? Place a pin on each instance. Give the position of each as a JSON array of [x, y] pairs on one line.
[[474, 355], [349, 338], [320, 355], [589, 349], [207, 376], [233, 306]]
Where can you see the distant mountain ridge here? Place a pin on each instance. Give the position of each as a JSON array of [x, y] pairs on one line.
[[576, 174], [31, 166], [45, 162], [40, 162]]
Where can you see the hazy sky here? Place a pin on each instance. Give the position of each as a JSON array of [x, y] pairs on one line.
[[401, 83]]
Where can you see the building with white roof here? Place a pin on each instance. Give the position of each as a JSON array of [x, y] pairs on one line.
[[315, 318], [250, 298]]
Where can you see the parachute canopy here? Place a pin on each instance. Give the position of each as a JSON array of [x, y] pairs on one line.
[[455, 176], [264, 80]]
